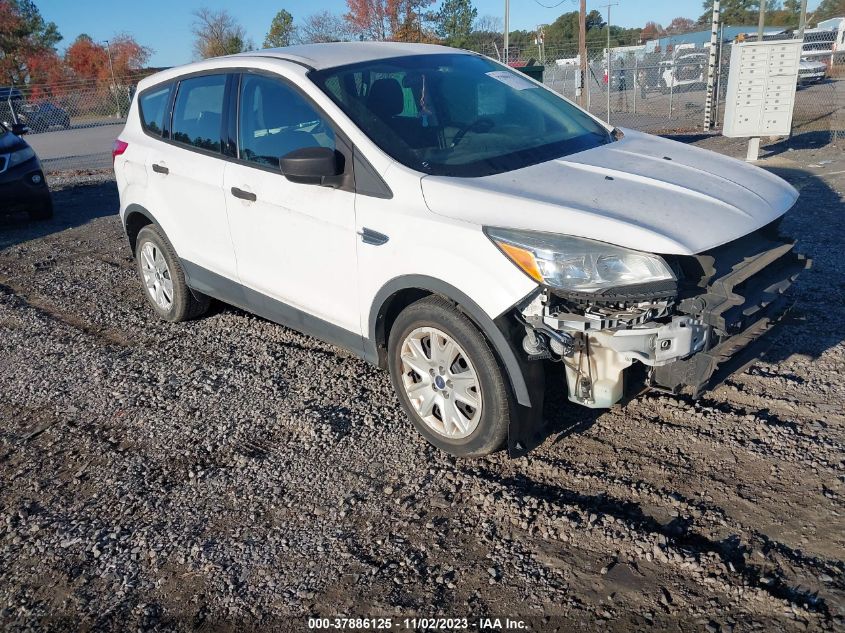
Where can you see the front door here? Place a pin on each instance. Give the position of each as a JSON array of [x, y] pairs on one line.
[[295, 243]]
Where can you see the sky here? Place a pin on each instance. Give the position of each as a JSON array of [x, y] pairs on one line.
[[165, 25]]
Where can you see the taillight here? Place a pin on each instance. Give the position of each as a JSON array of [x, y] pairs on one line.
[[118, 148]]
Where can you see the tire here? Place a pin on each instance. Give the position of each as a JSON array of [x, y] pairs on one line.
[[178, 301], [473, 359], [43, 212]]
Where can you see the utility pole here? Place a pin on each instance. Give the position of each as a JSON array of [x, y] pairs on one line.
[[802, 23], [762, 22], [582, 54], [711, 69], [113, 80], [506, 52]]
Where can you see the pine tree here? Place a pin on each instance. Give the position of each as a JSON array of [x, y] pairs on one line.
[[281, 30], [455, 20]]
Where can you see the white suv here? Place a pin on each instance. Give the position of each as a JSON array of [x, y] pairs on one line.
[[445, 217]]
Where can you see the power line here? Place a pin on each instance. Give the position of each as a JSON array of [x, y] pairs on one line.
[[552, 6]]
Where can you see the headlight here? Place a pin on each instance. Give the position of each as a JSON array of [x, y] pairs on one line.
[[21, 156], [576, 264]]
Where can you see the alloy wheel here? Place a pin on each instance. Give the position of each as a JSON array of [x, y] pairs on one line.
[[441, 382], [157, 277]]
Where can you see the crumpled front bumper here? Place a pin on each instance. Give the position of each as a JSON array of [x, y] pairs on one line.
[[744, 285], [725, 299]]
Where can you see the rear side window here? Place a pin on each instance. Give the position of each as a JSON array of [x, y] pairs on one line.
[[153, 104], [198, 112]]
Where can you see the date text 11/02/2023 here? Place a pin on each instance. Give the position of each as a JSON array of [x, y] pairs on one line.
[[417, 624]]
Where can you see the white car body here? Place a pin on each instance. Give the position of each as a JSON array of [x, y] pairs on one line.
[[304, 255], [810, 71]]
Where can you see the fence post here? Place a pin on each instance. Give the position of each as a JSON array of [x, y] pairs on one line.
[[609, 76], [636, 80], [711, 68], [719, 76], [671, 86]]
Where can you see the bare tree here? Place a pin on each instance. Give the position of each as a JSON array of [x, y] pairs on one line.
[[218, 33], [488, 24], [323, 27]]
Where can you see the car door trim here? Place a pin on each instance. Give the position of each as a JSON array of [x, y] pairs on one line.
[[224, 289]]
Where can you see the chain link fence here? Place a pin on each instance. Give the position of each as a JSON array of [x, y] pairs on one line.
[[666, 94], [73, 124]]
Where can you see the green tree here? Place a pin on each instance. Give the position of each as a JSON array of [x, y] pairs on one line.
[[829, 9], [793, 7], [455, 20], [733, 12], [564, 30], [281, 30]]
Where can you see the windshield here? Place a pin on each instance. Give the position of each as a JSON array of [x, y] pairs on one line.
[[458, 115]]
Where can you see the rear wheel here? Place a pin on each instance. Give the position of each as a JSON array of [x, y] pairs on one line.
[[163, 279], [448, 380]]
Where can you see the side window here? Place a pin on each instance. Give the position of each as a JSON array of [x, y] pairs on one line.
[[274, 120], [152, 105], [198, 111]]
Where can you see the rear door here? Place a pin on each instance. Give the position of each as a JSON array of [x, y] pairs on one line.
[[185, 170]]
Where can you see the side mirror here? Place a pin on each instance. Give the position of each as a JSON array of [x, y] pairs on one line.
[[19, 129], [313, 166]]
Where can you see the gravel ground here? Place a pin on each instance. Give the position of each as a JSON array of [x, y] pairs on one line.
[[231, 474]]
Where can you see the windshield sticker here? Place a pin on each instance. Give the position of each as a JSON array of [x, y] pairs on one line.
[[510, 79]]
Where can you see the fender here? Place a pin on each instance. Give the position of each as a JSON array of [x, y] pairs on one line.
[[131, 210], [494, 334], [527, 379]]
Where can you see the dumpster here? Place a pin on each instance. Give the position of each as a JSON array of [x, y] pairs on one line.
[[534, 71]]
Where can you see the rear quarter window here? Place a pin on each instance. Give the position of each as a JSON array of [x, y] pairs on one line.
[[152, 104]]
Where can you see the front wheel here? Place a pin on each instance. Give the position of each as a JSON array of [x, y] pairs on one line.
[[448, 380]]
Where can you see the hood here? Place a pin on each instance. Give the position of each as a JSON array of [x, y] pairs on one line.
[[641, 192], [9, 142]]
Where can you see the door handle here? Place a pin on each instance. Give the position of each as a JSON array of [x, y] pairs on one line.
[[244, 195], [368, 236], [160, 169]]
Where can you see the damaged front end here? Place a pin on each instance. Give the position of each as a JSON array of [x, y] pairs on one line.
[[677, 332]]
